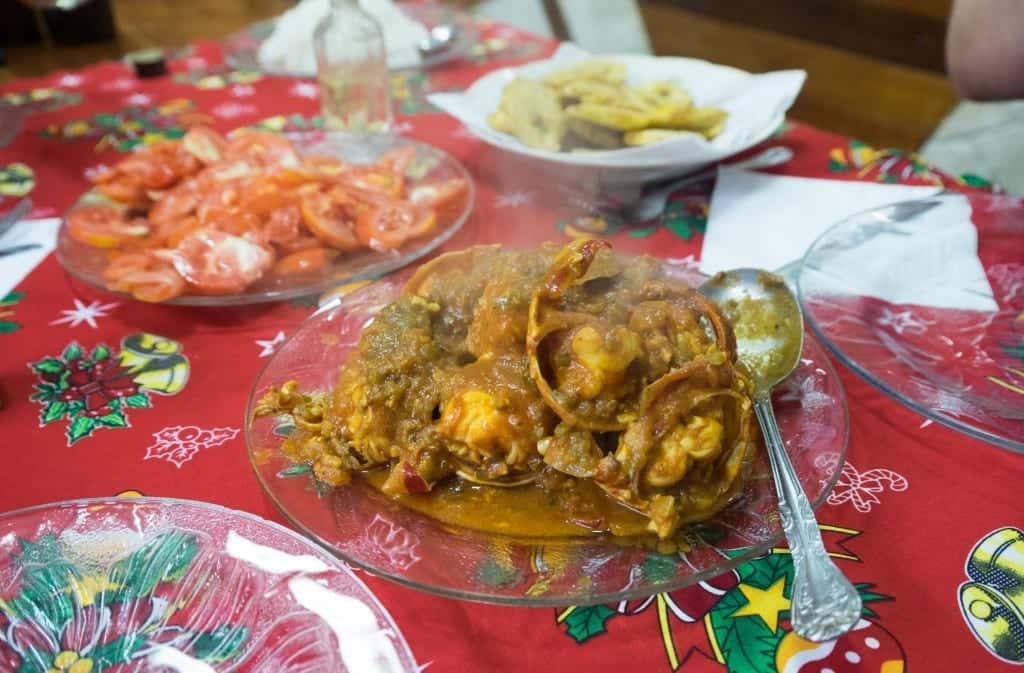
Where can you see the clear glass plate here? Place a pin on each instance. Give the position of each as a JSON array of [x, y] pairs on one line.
[[369, 530], [429, 165], [899, 294], [140, 584], [241, 49]]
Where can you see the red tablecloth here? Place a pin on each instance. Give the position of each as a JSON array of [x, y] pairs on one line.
[[914, 501]]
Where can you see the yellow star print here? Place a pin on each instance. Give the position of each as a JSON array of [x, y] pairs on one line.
[[764, 603]]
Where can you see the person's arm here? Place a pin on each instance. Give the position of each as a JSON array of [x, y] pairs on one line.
[[985, 49]]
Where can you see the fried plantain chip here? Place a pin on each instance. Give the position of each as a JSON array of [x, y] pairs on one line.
[[695, 119], [532, 113], [651, 136], [602, 70], [623, 119], [589, 135]]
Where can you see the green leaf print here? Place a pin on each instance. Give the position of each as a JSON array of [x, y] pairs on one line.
[[54, 411], [221, 644], [101, 352], [121, 650], [81, 427], [585, 622], [659, 567], [72, 352], [162, 559], [494, 574], [48, 366], [114, 419], [137, 401], [747, 644]]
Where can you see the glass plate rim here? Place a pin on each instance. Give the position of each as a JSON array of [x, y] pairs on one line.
[[383, 267], [964, 427], [381, 611], [534, 601]]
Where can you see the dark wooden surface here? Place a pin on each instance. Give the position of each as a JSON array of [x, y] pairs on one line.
[[889, 32], [874, 66], [851, 87]]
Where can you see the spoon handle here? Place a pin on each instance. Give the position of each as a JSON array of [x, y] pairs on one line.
[[824, 604]]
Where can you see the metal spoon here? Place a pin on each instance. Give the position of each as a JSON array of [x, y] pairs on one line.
[[652, 204], [769, 339], [438, 39]]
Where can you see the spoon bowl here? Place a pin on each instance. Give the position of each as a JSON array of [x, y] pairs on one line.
[[769, 330], [439, 39]]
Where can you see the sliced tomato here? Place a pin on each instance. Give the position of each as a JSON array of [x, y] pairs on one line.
[[305, 261], [325, 165], [441, 196], [204, 144], [424, 221], [125, 189], [215, 262], [176, 233], [282, 226], [145, 276], [265, 148], [103, 226], [373, 179], [174, 205], [398, 159], [303, 242], [261, 197], [330, 219], [385, 226]]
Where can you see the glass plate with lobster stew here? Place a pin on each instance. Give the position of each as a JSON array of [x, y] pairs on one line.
[[142, 584], [554, 426], [254, 216]]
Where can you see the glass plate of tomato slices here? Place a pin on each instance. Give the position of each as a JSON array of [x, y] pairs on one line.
[[254, 217]]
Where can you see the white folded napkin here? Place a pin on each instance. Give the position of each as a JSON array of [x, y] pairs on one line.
[[289, 49], [14, 268], [768, 221]]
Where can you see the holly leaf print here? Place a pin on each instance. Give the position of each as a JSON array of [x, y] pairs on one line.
[[137, 401], [54, 411], [72, 352], [746, 643], [659, 567], [45, 392], [101, 352], [114, 419], [585, 622], [44, 597], [221, 644], [494, 574], [162, 559], [80, 427], [121, 650], [48, 366]]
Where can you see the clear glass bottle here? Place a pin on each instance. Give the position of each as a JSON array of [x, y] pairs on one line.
[[352, 66]]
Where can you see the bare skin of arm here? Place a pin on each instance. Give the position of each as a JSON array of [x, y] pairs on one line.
[[985, 49]]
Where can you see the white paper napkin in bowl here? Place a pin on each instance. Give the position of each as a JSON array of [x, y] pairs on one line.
[[289, 49], [768, 221]]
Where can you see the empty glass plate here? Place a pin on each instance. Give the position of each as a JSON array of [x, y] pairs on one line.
[[925, 300], [144, 584]]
